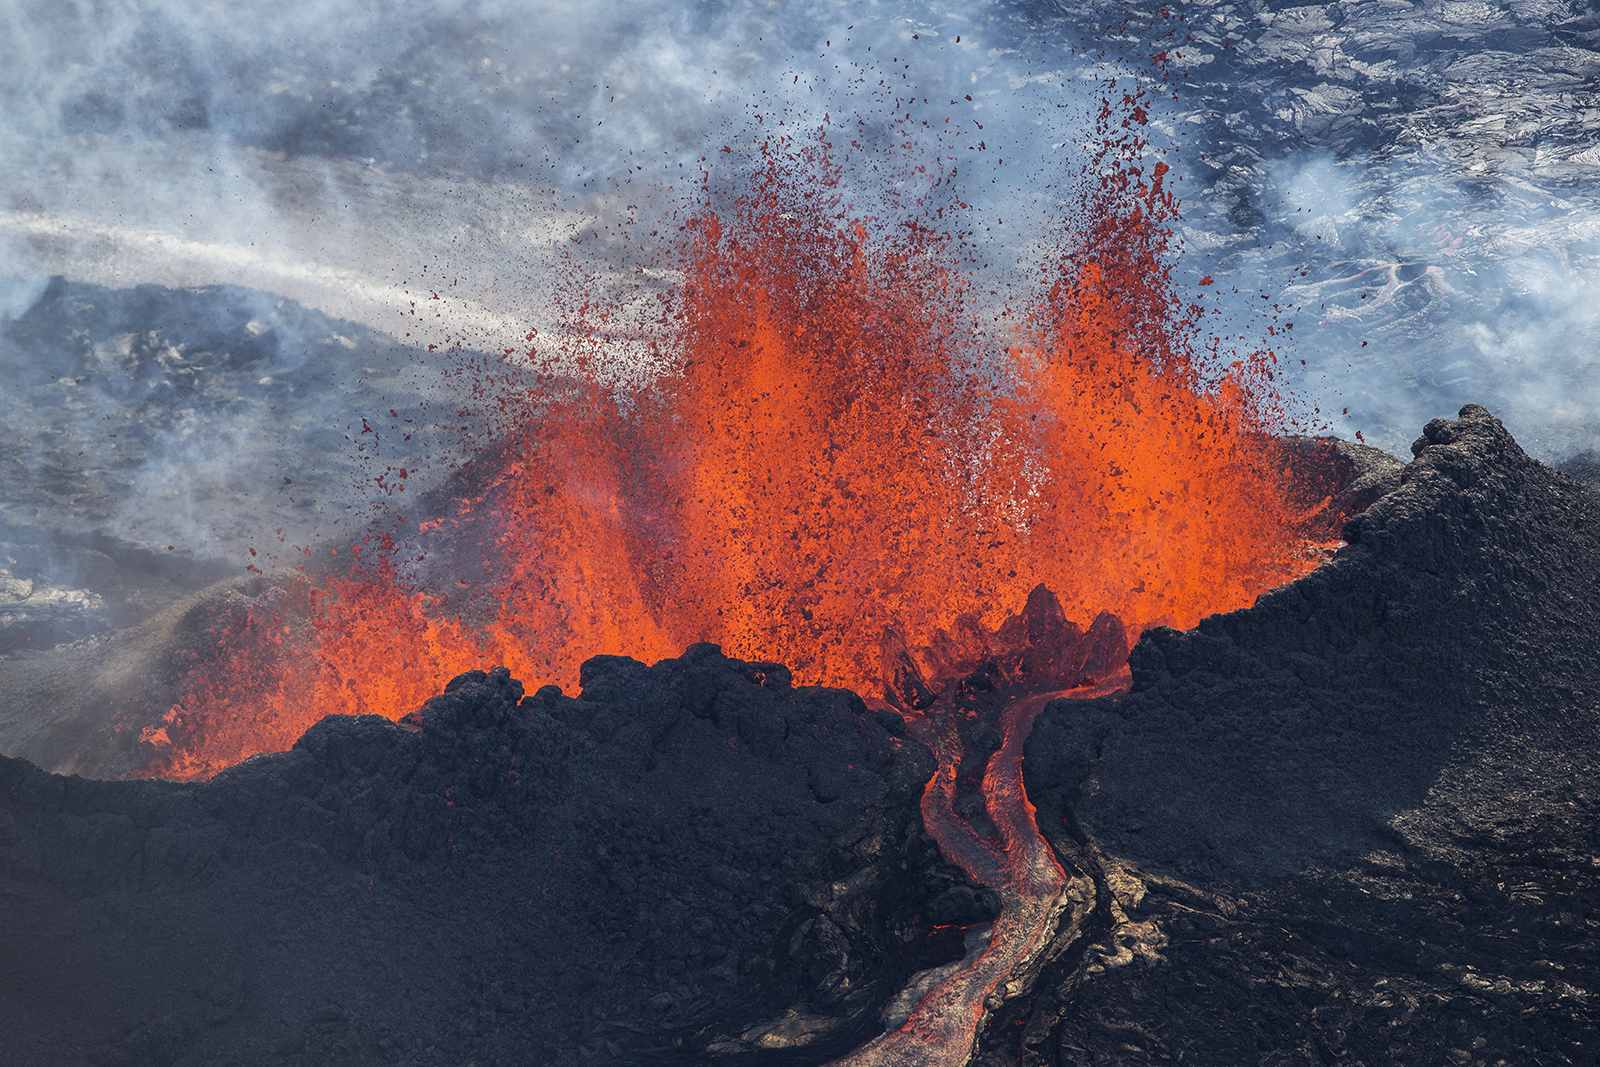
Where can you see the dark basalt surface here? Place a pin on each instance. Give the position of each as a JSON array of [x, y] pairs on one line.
[[689, 861], [1369, 806]]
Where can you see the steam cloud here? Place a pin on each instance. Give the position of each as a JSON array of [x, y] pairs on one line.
[[352, 159], [1443, 160], [326, 151]]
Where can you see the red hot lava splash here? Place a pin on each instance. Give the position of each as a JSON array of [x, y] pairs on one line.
[[841, 451]]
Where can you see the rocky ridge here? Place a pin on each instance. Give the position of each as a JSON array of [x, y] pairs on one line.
[[1357, 822], [687, 861]]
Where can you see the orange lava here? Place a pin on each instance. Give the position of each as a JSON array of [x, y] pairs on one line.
[[843, 448]]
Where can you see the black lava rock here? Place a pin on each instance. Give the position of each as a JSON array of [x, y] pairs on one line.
[[679, 856], [965, 906], [1453, 636], [1356, 822]]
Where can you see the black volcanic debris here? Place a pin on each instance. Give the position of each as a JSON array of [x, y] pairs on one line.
[[687, 861], [1395, 960], [1357, 823], [1462, 607]]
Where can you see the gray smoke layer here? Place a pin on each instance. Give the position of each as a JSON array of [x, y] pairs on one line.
[[325, 152], [229, 233]]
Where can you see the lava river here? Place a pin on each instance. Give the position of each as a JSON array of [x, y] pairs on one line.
[[1038, 899]]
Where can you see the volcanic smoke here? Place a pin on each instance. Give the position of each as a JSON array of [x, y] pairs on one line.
[[869, 454]]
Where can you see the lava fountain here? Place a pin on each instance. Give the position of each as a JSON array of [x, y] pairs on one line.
[[850, 441]]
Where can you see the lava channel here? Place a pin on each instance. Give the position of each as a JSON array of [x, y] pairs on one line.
[[1038, 899]]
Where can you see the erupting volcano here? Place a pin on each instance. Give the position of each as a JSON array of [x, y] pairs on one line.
[[855, 463], [856, 629], [862, 455]]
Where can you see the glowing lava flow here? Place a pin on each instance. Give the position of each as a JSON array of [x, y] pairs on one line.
[[852, 463], [1037, 897]]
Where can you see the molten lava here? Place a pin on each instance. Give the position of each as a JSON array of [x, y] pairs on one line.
[[844, 457]]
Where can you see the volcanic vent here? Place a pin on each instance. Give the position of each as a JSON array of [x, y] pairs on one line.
[[860, 442], [850, 466], [845, 468]]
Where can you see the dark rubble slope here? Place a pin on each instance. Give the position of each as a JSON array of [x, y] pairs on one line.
[[1371, 802], [631, 876]]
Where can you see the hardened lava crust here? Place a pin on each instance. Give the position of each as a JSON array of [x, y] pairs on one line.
[[689, 855], [1357, 822]]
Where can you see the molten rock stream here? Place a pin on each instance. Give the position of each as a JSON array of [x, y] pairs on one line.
[[987, 827], [1036, 895]]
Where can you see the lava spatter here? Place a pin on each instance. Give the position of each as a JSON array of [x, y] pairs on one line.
[[847, 467]]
